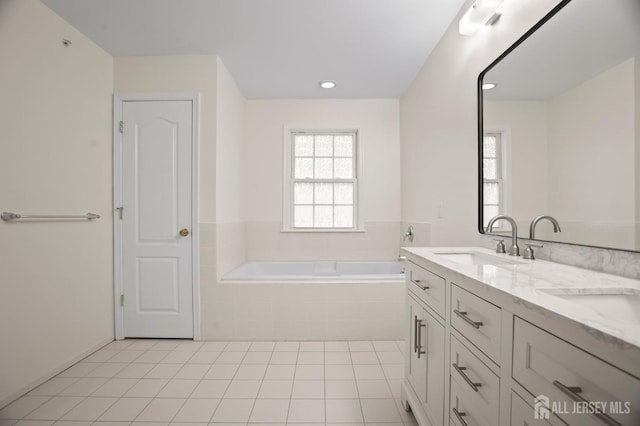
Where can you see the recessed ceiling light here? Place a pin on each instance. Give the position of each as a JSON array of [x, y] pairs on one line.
[[488, 86], [327, 84]]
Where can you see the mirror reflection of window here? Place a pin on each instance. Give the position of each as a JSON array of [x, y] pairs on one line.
[[493, 173]]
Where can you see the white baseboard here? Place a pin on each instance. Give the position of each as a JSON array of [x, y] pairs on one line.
[[37, 382]]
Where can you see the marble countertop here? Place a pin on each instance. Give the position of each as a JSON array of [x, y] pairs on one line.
[[540, 283]]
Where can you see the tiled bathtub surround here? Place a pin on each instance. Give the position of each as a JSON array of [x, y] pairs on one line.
[[172, 381], [305, 311], [293, 310], [617, 262], [230, 246], [265, 241]]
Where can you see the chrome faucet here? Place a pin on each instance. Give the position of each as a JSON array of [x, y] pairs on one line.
[[514, 250], [534, 222]]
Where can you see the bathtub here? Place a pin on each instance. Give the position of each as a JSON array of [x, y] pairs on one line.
[[310, 301], [317, 271]]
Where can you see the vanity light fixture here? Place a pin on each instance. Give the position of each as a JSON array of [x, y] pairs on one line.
[[488, 86], [327, 84], [481, 12]]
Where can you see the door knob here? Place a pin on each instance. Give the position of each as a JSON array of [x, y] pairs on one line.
[[184, 232]]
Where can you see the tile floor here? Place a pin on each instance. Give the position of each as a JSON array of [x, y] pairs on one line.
[[161, 382]]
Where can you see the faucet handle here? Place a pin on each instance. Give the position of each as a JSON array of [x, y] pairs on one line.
[[528, 252], [409, 234], [500, 246]]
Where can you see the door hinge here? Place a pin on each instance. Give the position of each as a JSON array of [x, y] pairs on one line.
[[120, 210], [122, 300], [121, 126]]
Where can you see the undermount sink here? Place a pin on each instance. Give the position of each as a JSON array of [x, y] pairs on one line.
[[477, 259], [620, 304]]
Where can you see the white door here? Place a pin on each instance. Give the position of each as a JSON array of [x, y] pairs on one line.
[[157, 273]]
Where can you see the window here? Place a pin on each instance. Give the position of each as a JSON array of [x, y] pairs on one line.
[[321, 181], [493, 177]]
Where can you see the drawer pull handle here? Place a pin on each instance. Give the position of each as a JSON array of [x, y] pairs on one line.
[[460, 416], [466, 378], [573, 392], [418, 328], [418, 283], [463, 315]]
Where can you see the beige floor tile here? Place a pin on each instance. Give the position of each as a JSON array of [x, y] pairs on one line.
[[54, 408], [160, 410], [343, 411], [22, 406], [196, 410], [146, 388], [178, 388], [243, 389], [341, 389], [210, 389], [53, 387], [308, 389], [233, 411], [270, 411], [276, 389], [306, 411], [89, 409], [380, 410], [125, 409], [115, 387]]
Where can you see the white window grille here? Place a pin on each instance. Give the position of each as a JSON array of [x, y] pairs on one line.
[[321, 180]]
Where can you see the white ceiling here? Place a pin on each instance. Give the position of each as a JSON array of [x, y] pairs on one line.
[[278, 48]]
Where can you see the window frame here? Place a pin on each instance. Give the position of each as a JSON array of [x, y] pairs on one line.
[[289, 180], [503, 157]]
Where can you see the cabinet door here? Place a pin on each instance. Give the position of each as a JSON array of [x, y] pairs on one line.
[[417, 365], [426, 366], [433, 341]]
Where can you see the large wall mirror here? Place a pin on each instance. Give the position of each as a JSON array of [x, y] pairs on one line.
[[560, 131]]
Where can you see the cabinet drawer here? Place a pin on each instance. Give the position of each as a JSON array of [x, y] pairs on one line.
[[464, 410], [548, 366], [477, 320], [429, 287], [483, 385], [522, 414]]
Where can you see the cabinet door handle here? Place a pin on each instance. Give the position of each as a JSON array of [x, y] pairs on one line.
[[460, 416], [419, 284], [466, 378], [573, 392], [418, 328], [415, 333], [463, 315]]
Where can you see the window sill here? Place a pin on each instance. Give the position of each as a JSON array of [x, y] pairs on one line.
[[323, 231]]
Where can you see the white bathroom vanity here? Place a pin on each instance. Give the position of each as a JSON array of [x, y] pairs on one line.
[[493, 339]]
